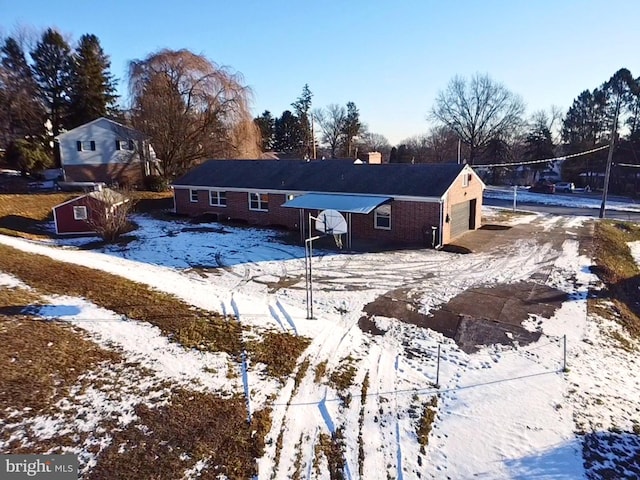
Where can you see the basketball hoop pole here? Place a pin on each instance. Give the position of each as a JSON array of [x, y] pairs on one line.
[[328, 222], [308, 244]]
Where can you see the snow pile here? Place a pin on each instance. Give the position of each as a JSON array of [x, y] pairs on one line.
[[142, 343], [635, 251]]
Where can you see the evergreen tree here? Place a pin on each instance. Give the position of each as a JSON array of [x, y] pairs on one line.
[[584, 124], [351, 129], [92, 93], [21, 114], [52, 71], [289, 134], [302, 107], [267, 126], [538, 146]]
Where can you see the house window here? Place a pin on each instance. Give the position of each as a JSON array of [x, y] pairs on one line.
[[217, 198], [259, 201], [125, 145], [79, 213], [85, 145], [193, 195], [382, 217]]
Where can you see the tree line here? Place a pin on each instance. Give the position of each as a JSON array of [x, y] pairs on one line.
[[48, 89], [334, 131], [480, 121], [189, 107]]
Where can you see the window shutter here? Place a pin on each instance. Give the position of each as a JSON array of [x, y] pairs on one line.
[[117, 144], [93, 145], [79, 146]]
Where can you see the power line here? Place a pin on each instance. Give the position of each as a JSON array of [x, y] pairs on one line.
[[531, 162], [627, 165]]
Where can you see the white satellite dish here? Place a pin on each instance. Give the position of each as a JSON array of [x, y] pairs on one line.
[[331, 222]]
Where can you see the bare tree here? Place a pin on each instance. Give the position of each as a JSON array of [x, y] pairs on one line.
[[478, 110], [109, 214], [191, 109], [332, 121]]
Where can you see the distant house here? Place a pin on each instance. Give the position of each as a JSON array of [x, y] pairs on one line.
[[76, 216], [385, 204], [106, 151]]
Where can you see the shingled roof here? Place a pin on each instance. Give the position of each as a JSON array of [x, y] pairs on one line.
[[422, 180]]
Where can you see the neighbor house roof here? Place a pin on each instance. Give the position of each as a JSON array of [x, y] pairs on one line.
[[421, 180], [118, 127]]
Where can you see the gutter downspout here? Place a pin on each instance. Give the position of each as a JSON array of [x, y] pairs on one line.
[[441, 226]]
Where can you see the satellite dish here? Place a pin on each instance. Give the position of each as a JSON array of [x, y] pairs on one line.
[[331, 222]]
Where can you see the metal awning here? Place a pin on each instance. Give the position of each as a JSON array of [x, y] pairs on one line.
[[343, 203]]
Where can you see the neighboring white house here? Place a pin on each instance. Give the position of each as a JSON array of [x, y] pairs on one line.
[[106, 151]]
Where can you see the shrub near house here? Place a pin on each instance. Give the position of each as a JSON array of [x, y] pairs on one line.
[[102, 212]]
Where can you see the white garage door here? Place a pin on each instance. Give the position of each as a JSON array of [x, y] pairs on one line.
[[460, 218]]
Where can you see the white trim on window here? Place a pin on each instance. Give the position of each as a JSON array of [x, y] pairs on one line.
[[217, 198], [80, 213], [125, 145], [465, 179], [382, 217], [193, 195], [259, 202]]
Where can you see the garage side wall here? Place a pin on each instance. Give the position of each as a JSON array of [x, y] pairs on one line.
[[411, 224]]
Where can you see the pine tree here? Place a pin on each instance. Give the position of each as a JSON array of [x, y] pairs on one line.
[[52, 71], [21, 114], [302, 107], [267, 126], [92, 93], [351, 128], [289, 134]]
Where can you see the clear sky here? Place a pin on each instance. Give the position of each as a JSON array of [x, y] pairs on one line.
[[389, 57]]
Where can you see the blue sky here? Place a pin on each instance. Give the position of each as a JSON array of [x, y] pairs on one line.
[[389, 57]]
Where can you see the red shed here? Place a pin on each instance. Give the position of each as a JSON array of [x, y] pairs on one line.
[[74, 216]]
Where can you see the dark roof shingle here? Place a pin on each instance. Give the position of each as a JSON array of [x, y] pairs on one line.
[[421, 180]]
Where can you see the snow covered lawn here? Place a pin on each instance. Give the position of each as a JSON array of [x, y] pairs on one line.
[[507, 411]]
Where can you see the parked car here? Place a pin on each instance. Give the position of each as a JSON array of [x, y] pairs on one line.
[[567, 187], [543, 186]]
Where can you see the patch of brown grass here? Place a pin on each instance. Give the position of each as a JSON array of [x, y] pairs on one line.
[[342, 377], [426, 422], [617, 269], [363, 399], [332, 447], [320, 371], [178, 320], [40, 360], [166, 441], [22, 214], [278, 351]]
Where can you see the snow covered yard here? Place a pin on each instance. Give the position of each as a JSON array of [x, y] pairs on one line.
[[357, 400]]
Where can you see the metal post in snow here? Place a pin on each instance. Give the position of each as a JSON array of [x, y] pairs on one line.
[[438, 369], [564, 348]]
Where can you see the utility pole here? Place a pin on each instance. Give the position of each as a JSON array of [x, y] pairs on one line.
[[607, 172], [458, 151]]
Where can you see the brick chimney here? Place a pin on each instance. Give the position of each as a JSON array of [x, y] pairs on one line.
[[374, 157]]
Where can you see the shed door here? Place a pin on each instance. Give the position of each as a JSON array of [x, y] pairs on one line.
[[461, 218]]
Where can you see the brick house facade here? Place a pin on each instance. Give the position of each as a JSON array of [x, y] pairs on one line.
[[417, 199]]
